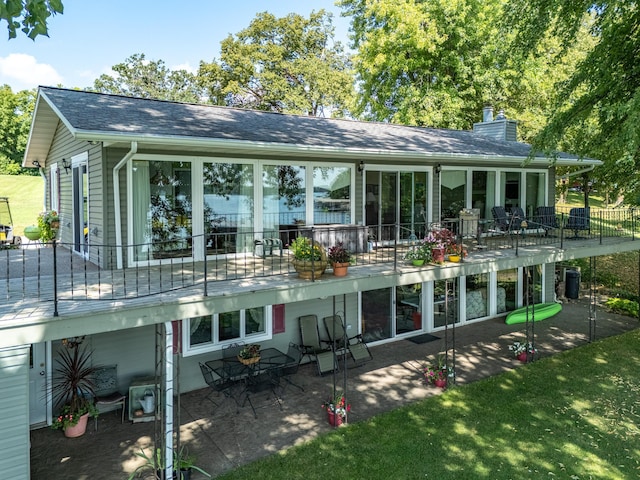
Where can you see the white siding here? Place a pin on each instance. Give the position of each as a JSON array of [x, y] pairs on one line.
[[14, 421]]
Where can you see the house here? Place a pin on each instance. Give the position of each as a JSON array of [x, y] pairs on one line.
[[165, 208]]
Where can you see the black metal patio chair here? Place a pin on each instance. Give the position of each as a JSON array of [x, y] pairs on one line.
[[218, 385]]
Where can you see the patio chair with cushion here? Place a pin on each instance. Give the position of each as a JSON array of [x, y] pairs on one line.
[[577, 220], [313, 347], [546, 218], [501, 219], [355, 345], [105, 380]]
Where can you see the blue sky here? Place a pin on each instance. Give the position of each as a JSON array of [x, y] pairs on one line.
[[93, 35]]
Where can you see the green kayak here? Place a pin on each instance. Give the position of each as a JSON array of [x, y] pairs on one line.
[[539, 311]]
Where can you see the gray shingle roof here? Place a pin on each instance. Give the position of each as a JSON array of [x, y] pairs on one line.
[[127, 116]]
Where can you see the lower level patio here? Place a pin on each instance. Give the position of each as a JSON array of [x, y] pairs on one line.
[[223, 439]]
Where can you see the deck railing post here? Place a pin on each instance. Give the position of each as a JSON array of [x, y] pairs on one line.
[[206, 287], [55, 279], [562, 220], [601, 227]]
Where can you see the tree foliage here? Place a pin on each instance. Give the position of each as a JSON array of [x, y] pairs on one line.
[[31, 15], [138, 77], [437, 63], [290, 64], [598, 107], [16, 110]]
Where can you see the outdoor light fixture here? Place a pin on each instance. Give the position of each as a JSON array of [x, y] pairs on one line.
[[66, 165], [361, 166], [438, 169], [36, 163]]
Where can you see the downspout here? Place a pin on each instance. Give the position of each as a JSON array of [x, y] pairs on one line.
[[116, 200], [44, 181]]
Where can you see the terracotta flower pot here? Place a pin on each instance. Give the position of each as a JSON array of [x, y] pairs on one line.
[[340, 269], [78, 429], [440, 382]]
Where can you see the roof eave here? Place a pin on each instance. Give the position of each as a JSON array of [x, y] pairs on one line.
[[338, 153]]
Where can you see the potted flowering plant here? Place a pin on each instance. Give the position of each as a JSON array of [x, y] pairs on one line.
[[522, 350], [456, 251], [438, 374], [73, 388], [309, 258], [340, 259], [337, 409], [48, 224], [249, 354], [419, 254], [440, 240]]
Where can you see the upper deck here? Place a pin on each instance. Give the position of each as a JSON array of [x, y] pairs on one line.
[[47, 292]]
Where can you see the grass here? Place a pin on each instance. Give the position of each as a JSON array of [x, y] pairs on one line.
[[571, 416], [26, 195]]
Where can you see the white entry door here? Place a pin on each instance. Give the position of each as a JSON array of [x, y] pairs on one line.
[[38, 375]]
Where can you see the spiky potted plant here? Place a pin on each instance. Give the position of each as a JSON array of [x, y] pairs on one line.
[[73, 390]]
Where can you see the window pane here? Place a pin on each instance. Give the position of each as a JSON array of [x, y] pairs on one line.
[[162, 209], [284, 189], [200, 330], [477, 298], [507, 290], [228, 325], [331, 195], [376, 312], [228, 207], [452, 188], [255, 321], [483, 193]]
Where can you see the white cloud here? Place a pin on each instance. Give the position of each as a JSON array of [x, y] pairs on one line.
[[22, 71], [185, 66]]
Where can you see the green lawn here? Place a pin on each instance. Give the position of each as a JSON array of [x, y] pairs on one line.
[[26, 195], [571, 416]]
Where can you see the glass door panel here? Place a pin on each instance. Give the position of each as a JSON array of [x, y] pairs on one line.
[[376, 314], [507, 294], [228, 207], [483, 193], [408, 308], [453, 185], [284, 206], [445, 303]]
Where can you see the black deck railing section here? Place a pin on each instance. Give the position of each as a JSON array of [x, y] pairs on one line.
[[55, 272]]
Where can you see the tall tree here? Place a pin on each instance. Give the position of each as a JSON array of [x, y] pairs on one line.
[[290, 64], [598, 107], [437, 63], [138, 77], [16, 110]]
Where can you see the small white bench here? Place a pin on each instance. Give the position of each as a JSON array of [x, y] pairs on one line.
[[268, 246]]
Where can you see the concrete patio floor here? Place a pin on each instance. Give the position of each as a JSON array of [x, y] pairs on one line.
[[223, 439]]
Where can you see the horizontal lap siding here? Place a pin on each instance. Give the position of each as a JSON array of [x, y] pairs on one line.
[[14, 405]]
